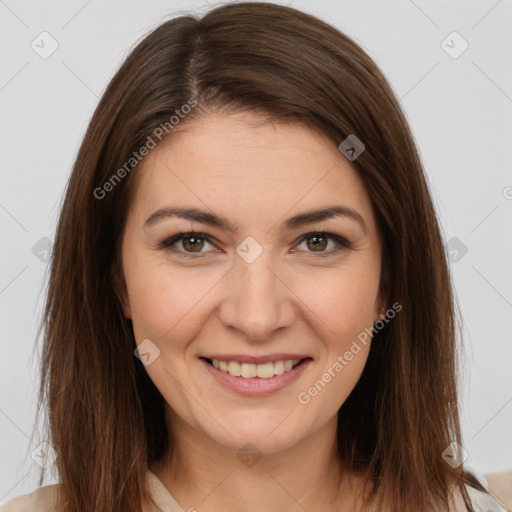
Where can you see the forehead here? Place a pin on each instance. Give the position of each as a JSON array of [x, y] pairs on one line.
[[241, 161]]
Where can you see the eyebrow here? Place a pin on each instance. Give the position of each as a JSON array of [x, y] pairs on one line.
[[203, 217]]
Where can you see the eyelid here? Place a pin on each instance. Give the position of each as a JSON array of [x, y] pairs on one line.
[[342, 243]]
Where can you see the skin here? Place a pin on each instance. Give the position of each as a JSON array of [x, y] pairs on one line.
[[290, 299]]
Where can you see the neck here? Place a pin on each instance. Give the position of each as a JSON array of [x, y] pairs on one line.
[[202, 475]]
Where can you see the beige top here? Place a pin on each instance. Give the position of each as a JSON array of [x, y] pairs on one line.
[[43, 499], [501, 485]]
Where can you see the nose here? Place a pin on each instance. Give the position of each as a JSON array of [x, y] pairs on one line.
[[258, 301]]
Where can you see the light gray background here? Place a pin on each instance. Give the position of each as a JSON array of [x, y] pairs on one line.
[[460, 110]]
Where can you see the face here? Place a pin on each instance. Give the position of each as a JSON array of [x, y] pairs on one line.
[[246, 284]]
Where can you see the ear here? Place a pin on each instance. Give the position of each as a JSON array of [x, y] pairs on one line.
[[380, 306], [382, 300], [120, 289]]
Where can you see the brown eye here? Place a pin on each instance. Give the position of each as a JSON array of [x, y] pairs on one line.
[[190, 243], [317, 243], [194, 243]]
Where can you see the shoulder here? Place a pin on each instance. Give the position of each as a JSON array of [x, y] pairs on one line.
[[43, 499], [481, 501], [484, 502], [501, 485]]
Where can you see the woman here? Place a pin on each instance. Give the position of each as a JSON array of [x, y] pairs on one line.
[[249, 305]]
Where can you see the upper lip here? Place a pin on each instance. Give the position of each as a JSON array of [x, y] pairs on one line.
[[244, 358]]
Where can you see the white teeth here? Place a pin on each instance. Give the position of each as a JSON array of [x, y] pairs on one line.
[[248, 370], [234, 368], [264, 371], [278, 367]]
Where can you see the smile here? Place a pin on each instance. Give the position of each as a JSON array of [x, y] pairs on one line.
[[248, 370], [255, 379]]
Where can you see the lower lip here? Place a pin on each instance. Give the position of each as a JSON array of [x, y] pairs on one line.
[[255, 386]]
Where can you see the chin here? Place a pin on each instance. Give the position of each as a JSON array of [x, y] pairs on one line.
[[271, 436], [257, 443]]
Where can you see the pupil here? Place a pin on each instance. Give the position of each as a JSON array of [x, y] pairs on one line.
[[315, 243], [196, 244]]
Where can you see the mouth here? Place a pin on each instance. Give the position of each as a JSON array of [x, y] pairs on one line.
[[255, 379], [249, 370]]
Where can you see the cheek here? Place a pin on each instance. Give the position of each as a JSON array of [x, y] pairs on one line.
[[164, 302], [342, 300]]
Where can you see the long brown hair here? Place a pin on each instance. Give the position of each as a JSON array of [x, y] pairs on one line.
[[106, 417]]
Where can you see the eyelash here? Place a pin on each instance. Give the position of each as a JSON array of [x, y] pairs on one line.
[[343, 244]]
